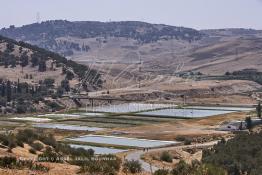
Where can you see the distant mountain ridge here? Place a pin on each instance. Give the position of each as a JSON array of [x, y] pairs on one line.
[[143, 32], [158, 45]]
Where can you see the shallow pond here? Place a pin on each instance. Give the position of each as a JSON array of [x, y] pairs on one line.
[[123, 141], [33, 119], [67, 127], [130, 107]]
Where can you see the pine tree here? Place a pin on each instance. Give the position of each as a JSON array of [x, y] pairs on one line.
[[3, 90], [259, 110], [24, 61], [65, 85], [34, 60], [42, 66], [8, 91], [19, 90]]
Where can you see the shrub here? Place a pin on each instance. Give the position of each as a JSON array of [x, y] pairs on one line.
[[188, 141], [161, 172], [20, 143], [37, 146], [181, 169], [32, 151], [49, 156], [26, 136], [166, 157], [103, 165], [8, 140], [132, 166], [21, 108], [7, 162], [180, 138], [12, 162], [48, 140]]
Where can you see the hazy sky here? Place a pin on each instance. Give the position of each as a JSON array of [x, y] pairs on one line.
[[200, 14]]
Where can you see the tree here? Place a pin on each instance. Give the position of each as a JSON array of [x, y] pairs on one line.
[[8, 91], [19, 89], [258, 109], [34, 60], [249, 123], [3, 90], [42, 66], [65, 85], [49, 82], [23, 60], [10, 47]]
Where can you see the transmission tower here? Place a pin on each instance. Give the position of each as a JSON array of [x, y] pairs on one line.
[[38, 18]]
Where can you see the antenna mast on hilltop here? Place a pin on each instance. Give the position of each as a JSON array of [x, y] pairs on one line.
[[38, 18]]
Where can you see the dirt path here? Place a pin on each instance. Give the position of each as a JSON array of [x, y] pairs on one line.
[[136, 155]]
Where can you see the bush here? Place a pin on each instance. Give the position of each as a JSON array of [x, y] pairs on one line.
[[180, 138], [54, 106], [132, 166], [161, 172], [37, 146], [26, 136], [103, 165], [12, 162], [32, 151], [21, 108], [8, 140], [48, 140], [20, 143], [182, 168], [166, 157], [188, 141], [49, 156], [7, 162]]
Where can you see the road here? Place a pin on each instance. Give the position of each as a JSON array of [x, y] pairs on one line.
[[136, 155]]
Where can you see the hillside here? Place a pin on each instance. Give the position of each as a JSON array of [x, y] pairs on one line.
[[30, 75], [46, 34], [227, 56], [161, 48]]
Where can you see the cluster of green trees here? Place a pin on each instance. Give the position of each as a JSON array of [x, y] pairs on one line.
[[240, 155], [195, 168], [7, 58], [246, 74], [40, 56], [22, 96]]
